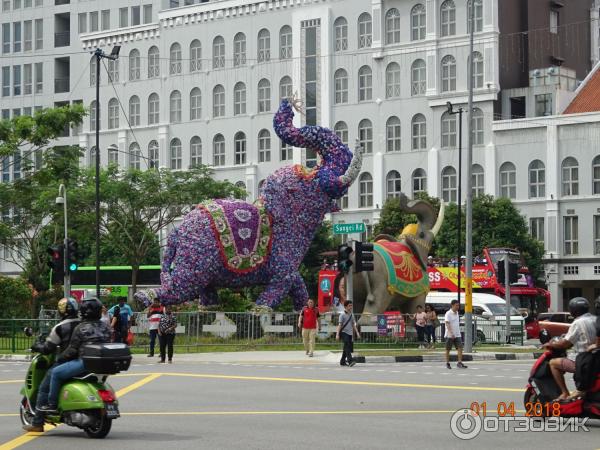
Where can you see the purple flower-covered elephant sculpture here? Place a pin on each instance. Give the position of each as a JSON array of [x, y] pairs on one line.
[[232, 243]]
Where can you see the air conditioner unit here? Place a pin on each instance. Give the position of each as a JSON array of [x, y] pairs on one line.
[[552, 71], [537, 73]]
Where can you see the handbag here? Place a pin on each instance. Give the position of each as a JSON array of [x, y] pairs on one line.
[[130, 338], [436, 322]]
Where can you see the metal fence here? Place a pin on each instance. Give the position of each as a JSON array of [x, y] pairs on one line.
[[201, 329]]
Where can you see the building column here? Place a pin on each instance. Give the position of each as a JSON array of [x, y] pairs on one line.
[[123, 147], [432, 19], [553, 283], [552, 163], [379, 181], [433, 173], [378, 26], [163, 146], [490, 169], [490, 15], [432, 72], [594, 28], [251, 183]]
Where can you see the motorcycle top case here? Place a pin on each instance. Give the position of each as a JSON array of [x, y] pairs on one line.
[[109, 358]]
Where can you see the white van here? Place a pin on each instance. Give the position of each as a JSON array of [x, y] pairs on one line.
[[484, 305]]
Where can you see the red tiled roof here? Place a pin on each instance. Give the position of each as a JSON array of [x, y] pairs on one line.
[[588, 98]]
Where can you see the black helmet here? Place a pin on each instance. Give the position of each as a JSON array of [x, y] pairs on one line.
[[579, 306], [91, 309], [68, 308]]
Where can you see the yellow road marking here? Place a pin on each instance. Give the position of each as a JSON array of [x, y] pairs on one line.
[[267, 413], [137, 384], [10, 381]]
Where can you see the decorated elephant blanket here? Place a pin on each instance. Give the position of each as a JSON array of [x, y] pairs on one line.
[[405, 275], [243, 232]]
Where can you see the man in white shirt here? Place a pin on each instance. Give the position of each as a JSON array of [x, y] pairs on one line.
[[452, 335]]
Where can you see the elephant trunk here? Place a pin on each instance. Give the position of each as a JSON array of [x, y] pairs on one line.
[[354, 169], [440, 219]]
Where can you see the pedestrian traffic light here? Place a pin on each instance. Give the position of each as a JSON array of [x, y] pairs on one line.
[[513, 272], [344, 263], [363, 257], [72, 255], [57, 261]]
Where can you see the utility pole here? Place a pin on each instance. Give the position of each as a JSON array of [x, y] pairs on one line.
[[507, 294], [62, 200]]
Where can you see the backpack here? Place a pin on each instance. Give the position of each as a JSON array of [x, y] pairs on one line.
[[587, 366]]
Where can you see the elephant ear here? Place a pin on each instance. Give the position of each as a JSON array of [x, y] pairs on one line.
[[385, 237]]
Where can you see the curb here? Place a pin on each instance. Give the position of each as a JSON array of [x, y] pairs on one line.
[[453, 358], [15, 358]]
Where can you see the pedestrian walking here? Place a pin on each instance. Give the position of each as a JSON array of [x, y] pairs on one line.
[[431, 324], [116, 325], [166, 334], [154, 314], [452, 334], [308, 322], [345, 331], [420, 322], [105, 316], [123, 322]]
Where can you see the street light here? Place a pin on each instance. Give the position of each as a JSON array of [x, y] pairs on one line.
[[62, 200]]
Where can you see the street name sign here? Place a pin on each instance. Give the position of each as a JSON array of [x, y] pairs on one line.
[[348, 228]]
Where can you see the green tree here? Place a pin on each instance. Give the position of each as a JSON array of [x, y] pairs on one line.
[[311, 264], [16, 298]]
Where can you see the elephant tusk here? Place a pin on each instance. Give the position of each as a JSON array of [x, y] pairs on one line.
[[440, 219]]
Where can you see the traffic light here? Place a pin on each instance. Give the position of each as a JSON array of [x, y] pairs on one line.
[[363, 257], [513, 272], [72, 255], [344, 263], [57, 261]]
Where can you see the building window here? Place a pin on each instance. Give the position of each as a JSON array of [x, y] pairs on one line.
[[153, 62], [286, 152], [239, 99], [596, 175], [477, 126], [341, 86], [365, 30], [218, 101], [392, 134], [508, 180], [176, 159], [239, 50], [175, 107], [93, 63], [134, 65], [478, 16], [135, 16], [6, 38], [113, 155], [93, 116], [113, 113], [597, 237], [365, 135], [536, 228], [17, 37], [570, 177], [195, 56], [27, 79], [448, 130], [448, 73], [16, 80], [175, 59], [134, 111], [419, 132], [240, 148], [418, 22], [477, 180], [365, 84], [448, 18], [113, 70], [477, 70], [285, 42], [264, 45], [27, 35], [105, 19], [449, 189], [148, 13], [195, 104], [39, 33], [418, 75], [392, 80], [394, 184], [554, 21], [123, 18], [195, 152], [286, 88], [135, 155], [571, 235], [264, 96], [341, 129], [537, 179], [153, 155], [264, 146], [419, 182], [92, 161], [392, 26], [543, 105], [219, 150], [365, 183], [153, 109], [218, 52], [39, 77], [341, 34]]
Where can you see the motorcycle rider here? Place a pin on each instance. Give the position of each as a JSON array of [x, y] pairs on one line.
[[91, 330], [57, 340], [581, 334]]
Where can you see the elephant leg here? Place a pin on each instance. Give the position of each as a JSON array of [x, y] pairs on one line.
[[275, 292], [298, 292]]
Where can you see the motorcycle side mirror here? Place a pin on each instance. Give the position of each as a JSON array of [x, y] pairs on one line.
[[28, 331], [544, 336]]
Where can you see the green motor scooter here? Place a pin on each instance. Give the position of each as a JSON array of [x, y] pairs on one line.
[[88, 401]]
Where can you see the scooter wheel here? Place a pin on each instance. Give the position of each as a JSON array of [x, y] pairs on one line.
[[101, 430], [24, 412], [530, 398]]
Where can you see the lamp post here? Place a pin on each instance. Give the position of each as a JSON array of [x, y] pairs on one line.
[[62, 200], [99, 54]]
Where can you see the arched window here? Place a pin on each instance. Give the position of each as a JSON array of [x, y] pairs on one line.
[[195, 151], [93, 71], [92, 160], [264, 146], [537, 179], [341, 86], [153, 109], [240, 184], [175, 148], [418, 22], [392, 134], [218, 150], [419, 182], [448, 73], [239, 99], [239, 141], [418, 77], [113, 154], [365, 30], [448, 130], [365, 185], [239, 49], [570, 176], [477, 180], [113, 113], [113, 70], [365, 135], [175, 107], [392, 26], [365, 84], [286, 88], [419, 132], [264, 95], [478, 16], [392, 80], [153, 155], [135, 155], [195, 104], [93, 116], [394, 184], [340, 27], [477, 70], [134, 111], [285, 42], [134, 65], [596, 175], [264, 46], [218, 52], [508, 180], [218, 101], [449, 189], [195, 56], [175, 59], [153, 62], [448, 18], [341, 129], [477, 126]]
